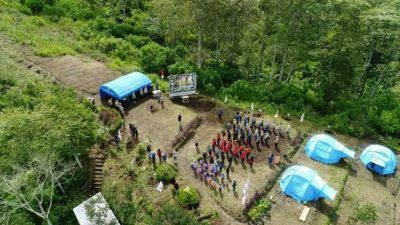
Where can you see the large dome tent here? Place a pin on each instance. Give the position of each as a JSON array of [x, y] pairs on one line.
[[125, 86], [326, 149], [380, 159], [304, 184]]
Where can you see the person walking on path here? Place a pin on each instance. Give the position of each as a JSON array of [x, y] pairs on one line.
[[162, 103], [179, 119], [270, 158], [196, 143], [257, 137], [276, 142], [234, 186], [220, 113], [159, 154], [227, 171], [153, 158], [174, 156]]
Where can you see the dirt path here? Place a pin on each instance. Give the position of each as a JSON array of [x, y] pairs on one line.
[[79, 72]]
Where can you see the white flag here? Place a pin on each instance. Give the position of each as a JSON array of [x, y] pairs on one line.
[[302, 117], [276, 114], [245, 190], [252, 106], [160, 187], [226, 98]]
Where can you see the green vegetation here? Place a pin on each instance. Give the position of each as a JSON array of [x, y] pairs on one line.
[[259, 210], [337, 61], [42, 128], [165, 173], [341, 69], [365, 214], [189, 197]]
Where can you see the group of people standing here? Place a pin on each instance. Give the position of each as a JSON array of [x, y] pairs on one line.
[[117, 105]]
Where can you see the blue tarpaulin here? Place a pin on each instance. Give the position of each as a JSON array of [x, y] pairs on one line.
[[379, 159], [125, 86], [304, 184], [326, 149]]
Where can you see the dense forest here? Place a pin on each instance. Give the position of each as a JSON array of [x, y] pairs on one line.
[[337, 61]]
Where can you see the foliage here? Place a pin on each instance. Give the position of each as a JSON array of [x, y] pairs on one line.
[[111, 118], [141, 150], [165, 173], [189, 197], [38, 117], [172, 214], [36, 6], [365, 214], [155, 57], [259, 210]]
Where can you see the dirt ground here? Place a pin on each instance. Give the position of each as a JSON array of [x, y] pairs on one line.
[[160, 127]]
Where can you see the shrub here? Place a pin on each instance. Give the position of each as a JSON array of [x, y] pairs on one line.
[[137, 41], [189, 197], [172, 214], [209, 89], [111, 118], [365, 214], [259, 210], [36, 6], [141, 150], [165, 173], [154, 57]]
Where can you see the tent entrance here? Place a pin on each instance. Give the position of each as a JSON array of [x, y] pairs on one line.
[[376, 167]]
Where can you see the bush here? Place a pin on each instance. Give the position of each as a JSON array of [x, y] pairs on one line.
[[141, 150], [155, 57], [36, 6], [365, 214], [174, 215], [137, 41], [259, 210], [165, 173], [189, 197], [111, 118]]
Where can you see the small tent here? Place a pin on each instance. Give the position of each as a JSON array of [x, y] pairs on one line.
[[125, 86], [326, 149], [304, 184], [379, 159]]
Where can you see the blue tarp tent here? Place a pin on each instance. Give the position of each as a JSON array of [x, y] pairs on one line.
[[379, 159], [324, 148], [304, 184], [125, 86]]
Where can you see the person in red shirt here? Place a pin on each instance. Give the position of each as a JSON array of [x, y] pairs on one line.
[[236, 151], [243, 156], [218, 138], [214, 144], [248, 152]]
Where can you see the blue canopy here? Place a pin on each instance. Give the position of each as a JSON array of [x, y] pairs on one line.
[[325, 149], [125, 86], [379, 159], [304, 184]]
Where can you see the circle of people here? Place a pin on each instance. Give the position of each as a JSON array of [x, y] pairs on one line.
[[234, 144]]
